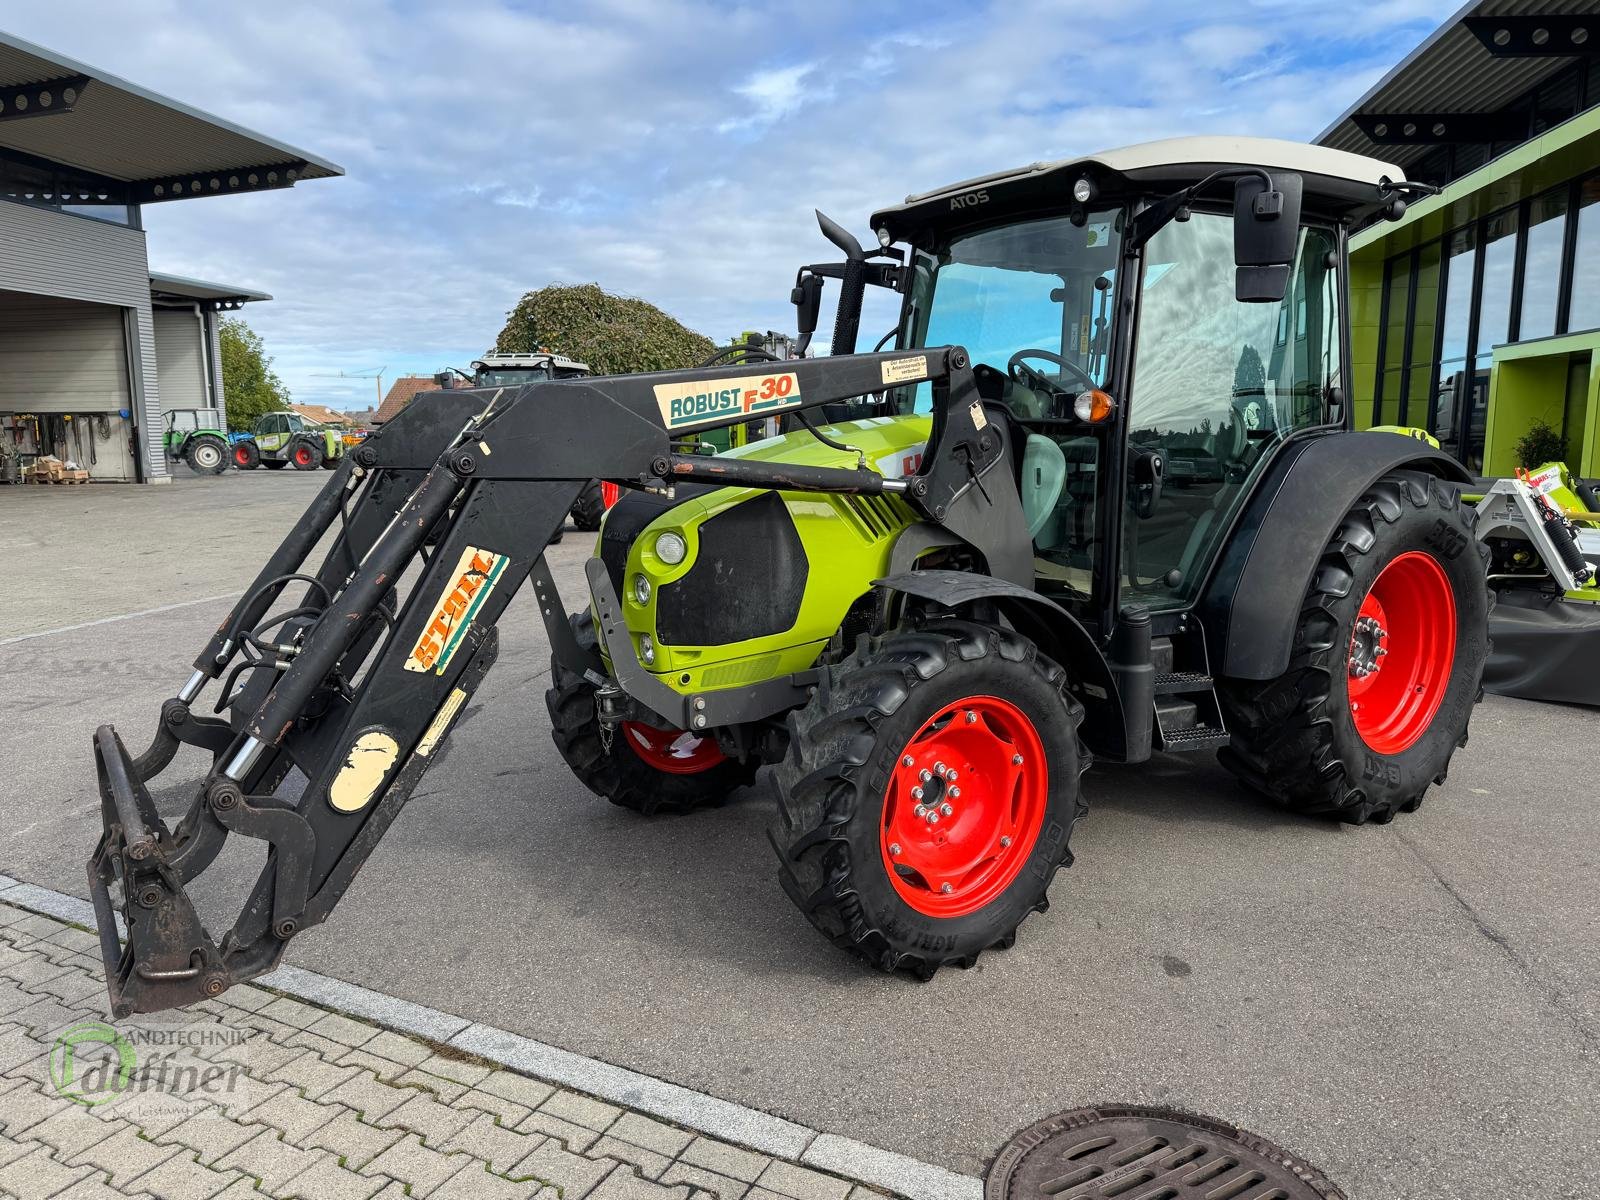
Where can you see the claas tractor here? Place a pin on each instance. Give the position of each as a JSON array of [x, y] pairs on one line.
[[288, 439], [966, 572]]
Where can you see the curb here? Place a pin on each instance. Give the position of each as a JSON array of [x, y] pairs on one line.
[[724, 1120]]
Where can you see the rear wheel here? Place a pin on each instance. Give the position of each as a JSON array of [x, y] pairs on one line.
[[246, 456], [647, 769], [206, 455], [305, 456], [589, 507], [928, 795], [1388, 662]]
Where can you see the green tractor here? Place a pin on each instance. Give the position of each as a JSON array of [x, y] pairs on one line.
[[966, 573], [288, 439], [195, 436]]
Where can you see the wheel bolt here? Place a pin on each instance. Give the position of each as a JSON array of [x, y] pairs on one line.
[[945, 810], [917, 793], [945, 889], [921, 811], [933, 817], [925, 775], [894, 849], [938, 768], [907, 761], [972, 717], [954, 793], [951, 774], [1016, 760], [1004, 842]]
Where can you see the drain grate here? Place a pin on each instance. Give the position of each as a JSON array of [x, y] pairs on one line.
[[1131, 1152]]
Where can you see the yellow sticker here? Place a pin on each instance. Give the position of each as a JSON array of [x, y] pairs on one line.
[[468, 586], [899, 370], [358, 781], [684, 405], [441, 721]]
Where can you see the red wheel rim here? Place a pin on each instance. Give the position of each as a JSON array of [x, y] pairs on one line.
[[241, 455], [1401, 650], [672, 750], [980, 768], [609, 492], [302, 456]]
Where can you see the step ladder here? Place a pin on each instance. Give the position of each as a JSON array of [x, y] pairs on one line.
[[1188, 713]]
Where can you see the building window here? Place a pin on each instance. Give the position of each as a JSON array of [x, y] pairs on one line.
[[1499, 266], [1541, 266], [1455, 327], [1585, 309], [45, 185]]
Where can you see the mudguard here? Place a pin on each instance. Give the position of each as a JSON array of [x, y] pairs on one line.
[[1053, 629], [1252, 602]]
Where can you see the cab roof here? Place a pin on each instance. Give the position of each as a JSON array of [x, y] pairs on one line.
[[1337, 183], [537, 358]]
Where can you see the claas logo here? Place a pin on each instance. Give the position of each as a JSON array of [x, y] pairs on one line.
[[474, 579]]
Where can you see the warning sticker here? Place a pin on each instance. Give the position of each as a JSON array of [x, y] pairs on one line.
[[685, 405], [476, 573], [900, 370]]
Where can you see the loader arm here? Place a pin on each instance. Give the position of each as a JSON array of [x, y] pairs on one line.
[[432, 525]]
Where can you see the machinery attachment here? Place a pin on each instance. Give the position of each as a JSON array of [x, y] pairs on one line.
[[334, 701]]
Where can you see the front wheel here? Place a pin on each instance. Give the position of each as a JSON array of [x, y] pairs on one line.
[[206, 455], [928, 795], [246, 456], [305, 456], [1387, 664], [588, 508]]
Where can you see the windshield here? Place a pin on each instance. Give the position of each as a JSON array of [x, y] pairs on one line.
[[511, 376], [1043, 286]]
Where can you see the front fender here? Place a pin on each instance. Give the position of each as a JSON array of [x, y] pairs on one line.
[[1053, 629], [1251, 605]]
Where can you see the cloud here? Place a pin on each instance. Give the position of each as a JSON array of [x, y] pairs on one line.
[[669, 149]]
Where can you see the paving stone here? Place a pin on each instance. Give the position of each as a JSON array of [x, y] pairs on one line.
[[46, 1016], [647, 1162], [125, 1155], [241, 1189], [465, 1073], [352, 1139], [37, 1175], [76, 990], [292, 1012], [652, 1135], [474, 1182], [77, 939], [13, 999], [720, 1186], [71, 1131], [209, 1135], [743, 1165], [326, 1047], [436, 1123], [419, 1167], [24, 1106], [344, 1030], [801, 1183], [574, 1137], [91, 1188], [13, 1148], [34, 927], [18, 1046], [327, 1180], [312, 1074], [581, 1110], [259, 1055], [248, 997], [572, 1173], [182, 1177], [622, 1184], [511, 1113], [369, 1096], [447, 1090], [395, 1048], [291, 1114], [270, 1159], [519, 1089], [155, 1115], [30, 970], [247, 1095], [499, 1146]]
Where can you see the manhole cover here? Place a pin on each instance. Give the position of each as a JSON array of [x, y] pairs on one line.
[[1130, 1152]]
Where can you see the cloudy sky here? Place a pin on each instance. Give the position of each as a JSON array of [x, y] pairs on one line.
[[667, 149]]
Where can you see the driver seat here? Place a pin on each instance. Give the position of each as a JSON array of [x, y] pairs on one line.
[[1042, 476]]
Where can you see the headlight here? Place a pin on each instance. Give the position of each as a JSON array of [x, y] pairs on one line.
[[671, 548], [647, 649], [641, 589]]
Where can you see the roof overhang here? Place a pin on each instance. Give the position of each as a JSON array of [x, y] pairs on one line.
[[177, 289], [1482, 58], [56, 110], [1337, 184]]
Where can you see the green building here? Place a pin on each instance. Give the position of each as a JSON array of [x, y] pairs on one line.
[[1477, 315]]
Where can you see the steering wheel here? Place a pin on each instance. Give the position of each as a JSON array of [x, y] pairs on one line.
[[1022, 373]]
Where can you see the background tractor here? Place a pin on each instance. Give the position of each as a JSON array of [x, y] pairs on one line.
[[961, 578], [288, 439], [194, 436]]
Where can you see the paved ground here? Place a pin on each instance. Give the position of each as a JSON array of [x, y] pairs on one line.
[[1415, 1007], [259, 1095]]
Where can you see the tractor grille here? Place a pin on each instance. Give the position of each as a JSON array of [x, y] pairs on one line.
[[747, 581], [626, 520], [1129, 1152]]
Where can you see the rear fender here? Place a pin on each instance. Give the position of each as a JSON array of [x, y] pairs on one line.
[[1251, 606], [1052, 628]]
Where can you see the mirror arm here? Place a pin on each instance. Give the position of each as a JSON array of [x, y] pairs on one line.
[[1149, 222]]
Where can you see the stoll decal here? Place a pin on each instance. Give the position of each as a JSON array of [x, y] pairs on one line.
[[474, 578], [686, 404]]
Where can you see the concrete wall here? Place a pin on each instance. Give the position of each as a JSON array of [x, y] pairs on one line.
[[57, 254]]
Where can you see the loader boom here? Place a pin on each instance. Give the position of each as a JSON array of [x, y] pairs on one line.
[[436, 520]]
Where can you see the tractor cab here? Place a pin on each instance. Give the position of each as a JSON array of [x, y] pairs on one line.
[[513, 370]]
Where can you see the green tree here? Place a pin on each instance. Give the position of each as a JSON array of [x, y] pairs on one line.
[[249, 385], [1249, 376], [615, 335]]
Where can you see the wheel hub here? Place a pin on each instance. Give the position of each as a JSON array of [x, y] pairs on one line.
[[963, 806], [1366, 646], [1402, 649]]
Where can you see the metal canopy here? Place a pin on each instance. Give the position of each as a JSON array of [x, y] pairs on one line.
[[177, 289], [1453, 73], [120, 132]]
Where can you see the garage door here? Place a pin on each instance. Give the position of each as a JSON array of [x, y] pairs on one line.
[[67, 356], [180, 370]]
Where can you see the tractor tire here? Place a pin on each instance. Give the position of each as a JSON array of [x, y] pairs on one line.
[[974, 707], [206, 455], [589, 507], [273, 464], [246, 456], [305, 456], [1387, 663], [330, 462], [646, 769]]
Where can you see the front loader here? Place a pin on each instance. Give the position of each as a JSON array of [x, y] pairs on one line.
[[973, 564]]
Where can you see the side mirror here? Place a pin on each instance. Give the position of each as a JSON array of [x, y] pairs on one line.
[[1266, 232], [443, 378], [807, 300]]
